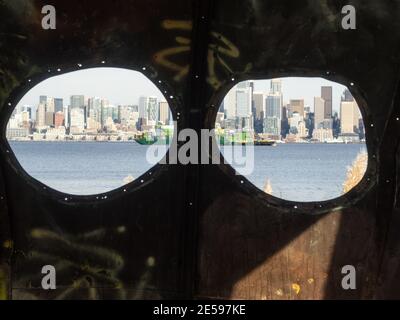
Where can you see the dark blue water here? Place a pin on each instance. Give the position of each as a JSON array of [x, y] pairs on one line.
[[299, 172]]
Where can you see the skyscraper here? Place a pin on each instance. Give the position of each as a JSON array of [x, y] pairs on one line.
[[347, 96], [77, 101], [276, 86], [273, 109], [243, 103], [148, 108], [326, 94], [319, 111], [296, 105], [349, 116], [41, 115], [259, 105], [163, 112], [58, 104]]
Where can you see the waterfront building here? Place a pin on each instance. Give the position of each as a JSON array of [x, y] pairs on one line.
[[326, 94]]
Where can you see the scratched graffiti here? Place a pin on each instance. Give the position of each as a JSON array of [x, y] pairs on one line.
[[83, 265], [79, 258], [221, 51]]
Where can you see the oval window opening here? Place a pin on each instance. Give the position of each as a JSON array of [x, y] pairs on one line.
[[298, 139], [89, 131]]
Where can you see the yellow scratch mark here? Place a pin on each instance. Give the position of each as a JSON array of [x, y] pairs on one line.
[[310, 281], [8, 244], [279, 292], [296, 288], [177, 24]]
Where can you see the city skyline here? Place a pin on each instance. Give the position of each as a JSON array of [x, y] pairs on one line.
[[272, 114], [120, 86]]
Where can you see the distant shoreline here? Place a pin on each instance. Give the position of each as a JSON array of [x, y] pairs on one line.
[[133, 141]]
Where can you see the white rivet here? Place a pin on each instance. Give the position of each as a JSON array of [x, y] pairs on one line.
[[48, 70], [58, 69], [124, 190], [105, 197], [372, 124], [233, 79], [352, 83], [387, 181], [144, 68], [190, 204], [241, 181], [29, 80], [397, 119], [141, 181], [9, 104], [97, 197], [79, 65], [171, 97], [103, 62], [328, 72], [295, 207], [66, 199], [159, 81], [196, 76]]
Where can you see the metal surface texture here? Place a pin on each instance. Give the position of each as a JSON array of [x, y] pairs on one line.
[[196, 231]]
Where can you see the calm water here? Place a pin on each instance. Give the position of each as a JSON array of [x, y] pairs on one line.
[[300, 172]]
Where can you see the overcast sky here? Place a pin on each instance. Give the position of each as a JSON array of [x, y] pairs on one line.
[[122, 86]]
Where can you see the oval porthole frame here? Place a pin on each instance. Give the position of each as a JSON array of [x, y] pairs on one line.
[[306, 207], [174, 103]]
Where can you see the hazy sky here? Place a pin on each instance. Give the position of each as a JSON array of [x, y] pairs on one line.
[[119, 86], [122, 86], [304, 88]]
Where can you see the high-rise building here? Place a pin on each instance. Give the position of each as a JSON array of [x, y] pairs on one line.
[[273, 109], [259, 105], [163, 112], [48, 102], [77, 120], [243, 103], [276, 86], [347, 96], [41, 115], [49, 119], [58, 104], [104, 103], [272, 126], [349, 117], [296, 105], [58, 119], [77, 101], [148, 108], [319, 111], [273, 106], [326, 94]]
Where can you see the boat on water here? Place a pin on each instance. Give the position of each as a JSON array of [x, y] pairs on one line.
[[264, 143], [146, 139]]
